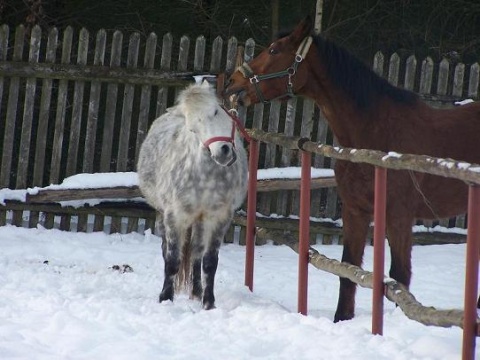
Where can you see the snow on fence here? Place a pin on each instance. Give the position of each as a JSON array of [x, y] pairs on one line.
[[75, 102]]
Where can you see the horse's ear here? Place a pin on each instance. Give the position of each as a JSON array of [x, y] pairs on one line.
[[302, 30], [205, 84]]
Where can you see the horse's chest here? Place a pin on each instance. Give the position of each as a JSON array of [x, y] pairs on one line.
[[355, 184], [209, 186]]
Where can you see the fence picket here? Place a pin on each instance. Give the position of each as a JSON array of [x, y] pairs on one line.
[[265, 202], [184, 49], [410, 70], [165, 63], [60, 115], [473, 81], [443, 72], [378, 63], [127, 107], [11, 116], [94, 105], [77, 109], [111, 106], [216, 60], [4, 31], [231, 55], [458, 79], [305, 131], [426, 76], [199, 59], [144, 113], [394, 69], [44, 112], [286, 154], [28, 109]]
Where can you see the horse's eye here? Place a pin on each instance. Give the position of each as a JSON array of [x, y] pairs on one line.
[[216, 112], [273, 51]]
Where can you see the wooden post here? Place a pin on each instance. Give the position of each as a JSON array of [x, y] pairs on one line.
[[251, 213], [379, 249], [471, 274], [304, 232]]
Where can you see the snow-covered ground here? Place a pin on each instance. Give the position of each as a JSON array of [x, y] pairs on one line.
[[61, 299]]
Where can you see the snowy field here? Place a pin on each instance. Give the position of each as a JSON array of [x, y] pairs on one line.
[[61, 299]]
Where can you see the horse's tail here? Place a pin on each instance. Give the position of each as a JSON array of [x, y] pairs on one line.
[[184, 276]]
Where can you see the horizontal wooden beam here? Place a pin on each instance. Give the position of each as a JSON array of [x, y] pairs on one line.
[[131, 192], [142, 210], [451, 168], [394, 291], [136, 76]]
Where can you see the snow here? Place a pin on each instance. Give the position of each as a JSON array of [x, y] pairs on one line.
[[464, 102], [61, 299]]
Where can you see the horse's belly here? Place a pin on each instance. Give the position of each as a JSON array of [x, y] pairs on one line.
[[440, 197]]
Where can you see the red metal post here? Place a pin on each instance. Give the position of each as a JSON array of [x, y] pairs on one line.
[[251, 212], [304, 232], [471, 274], [379, 215]]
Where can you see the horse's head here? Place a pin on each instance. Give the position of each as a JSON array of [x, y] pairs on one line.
[[277, 72], [211, 124]]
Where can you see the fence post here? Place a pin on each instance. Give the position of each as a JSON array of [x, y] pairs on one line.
[[304, 232], [251, 213], [471, 274], [379, 212]]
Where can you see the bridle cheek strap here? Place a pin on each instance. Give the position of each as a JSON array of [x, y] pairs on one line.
[[248, 73]]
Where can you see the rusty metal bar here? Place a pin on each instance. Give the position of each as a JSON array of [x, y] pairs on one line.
[[471, 274], [251, 213], [304, 233], [379, 215]]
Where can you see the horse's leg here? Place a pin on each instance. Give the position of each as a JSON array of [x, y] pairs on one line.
[[210, 263], [160, 231], [399, 232], [197, 252], [355, 228], [171, 256]]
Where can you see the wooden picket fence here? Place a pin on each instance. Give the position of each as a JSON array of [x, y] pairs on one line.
[[74, 102]]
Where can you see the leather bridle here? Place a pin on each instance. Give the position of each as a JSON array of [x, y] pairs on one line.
[[255, 79], [236, 124]]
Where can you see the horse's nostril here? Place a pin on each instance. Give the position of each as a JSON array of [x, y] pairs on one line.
[[225, 149]]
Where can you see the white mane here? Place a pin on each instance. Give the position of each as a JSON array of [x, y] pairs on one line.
[[197, 99]]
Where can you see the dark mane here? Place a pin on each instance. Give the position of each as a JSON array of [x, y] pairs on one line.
[[359, 82]]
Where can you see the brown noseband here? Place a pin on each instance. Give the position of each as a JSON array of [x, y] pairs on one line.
[[236, 124]]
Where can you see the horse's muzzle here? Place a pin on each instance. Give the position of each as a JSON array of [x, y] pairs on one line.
[[223, 153]]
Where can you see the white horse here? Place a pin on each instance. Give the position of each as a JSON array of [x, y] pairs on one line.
[[192, 169]]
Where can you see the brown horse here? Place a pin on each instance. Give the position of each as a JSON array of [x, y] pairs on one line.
[[365, 111]]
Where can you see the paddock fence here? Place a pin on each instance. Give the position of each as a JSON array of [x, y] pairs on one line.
[[382, 286], [76, 102]]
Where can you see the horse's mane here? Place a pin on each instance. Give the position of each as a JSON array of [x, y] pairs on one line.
[[197, 98], [359, 82]]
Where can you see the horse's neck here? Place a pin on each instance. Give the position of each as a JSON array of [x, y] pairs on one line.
[[341, 114], [351, 126]]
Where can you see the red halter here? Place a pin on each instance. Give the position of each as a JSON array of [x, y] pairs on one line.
[[236, 123]]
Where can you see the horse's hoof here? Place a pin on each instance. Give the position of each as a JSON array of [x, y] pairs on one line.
[[208, 306], [165, 296], [342, 317]]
